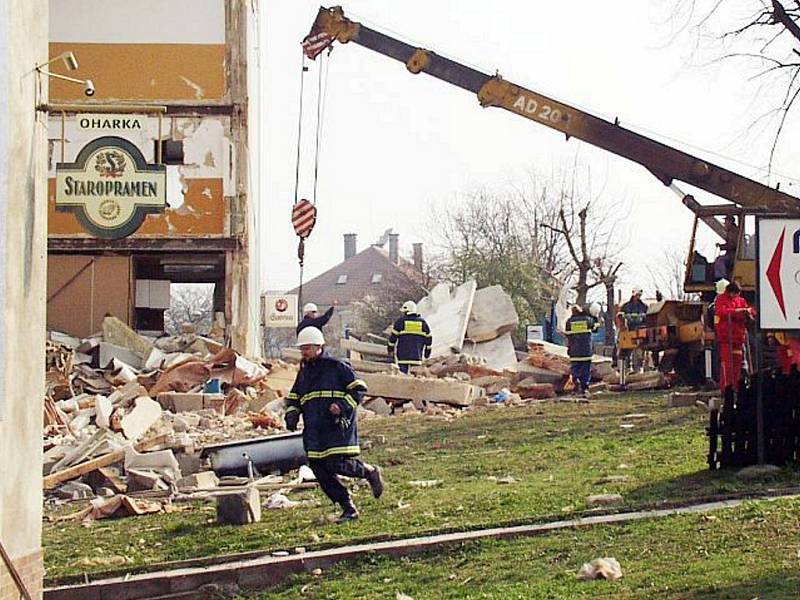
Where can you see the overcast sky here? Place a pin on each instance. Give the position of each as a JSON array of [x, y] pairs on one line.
[[394, 143]]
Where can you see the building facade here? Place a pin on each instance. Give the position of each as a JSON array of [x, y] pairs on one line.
[[172, 79], [23, 243]]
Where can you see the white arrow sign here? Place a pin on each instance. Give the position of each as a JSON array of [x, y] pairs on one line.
[[779, 273]]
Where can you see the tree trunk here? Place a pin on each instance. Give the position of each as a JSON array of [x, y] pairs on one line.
[[609, 283]]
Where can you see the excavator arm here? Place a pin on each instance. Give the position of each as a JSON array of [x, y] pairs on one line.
[[666, 163]]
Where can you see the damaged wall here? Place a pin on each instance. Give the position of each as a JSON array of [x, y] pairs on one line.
[[198, 58], [23, 245], [198, 191]]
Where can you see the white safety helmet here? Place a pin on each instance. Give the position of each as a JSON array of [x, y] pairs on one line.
[[310, 307], [594, 309], [310, 336], [721, 285], [409, 307]]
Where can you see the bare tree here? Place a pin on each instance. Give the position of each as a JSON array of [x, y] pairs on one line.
[[762, 33], [190, 303], [590, 231], [495, 237]]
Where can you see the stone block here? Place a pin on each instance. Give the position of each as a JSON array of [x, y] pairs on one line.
[[239, 508]]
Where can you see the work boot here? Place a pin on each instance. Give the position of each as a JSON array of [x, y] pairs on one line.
[[375, 481], [348, 514]]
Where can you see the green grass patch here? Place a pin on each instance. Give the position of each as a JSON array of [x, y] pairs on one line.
[[556, 452], [752, 551]]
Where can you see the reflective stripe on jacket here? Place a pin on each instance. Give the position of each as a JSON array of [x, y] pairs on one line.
[[579, 329], [410, 340], [320, 383]]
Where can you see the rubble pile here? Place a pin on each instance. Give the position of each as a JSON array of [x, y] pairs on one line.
[[125, 414]]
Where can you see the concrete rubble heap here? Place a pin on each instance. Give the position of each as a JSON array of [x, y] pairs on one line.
[[127, 414], [473, 361]]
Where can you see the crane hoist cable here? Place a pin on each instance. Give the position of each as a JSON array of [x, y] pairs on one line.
[[321, 90]]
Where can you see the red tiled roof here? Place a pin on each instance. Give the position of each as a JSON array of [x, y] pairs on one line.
[[359, 271]]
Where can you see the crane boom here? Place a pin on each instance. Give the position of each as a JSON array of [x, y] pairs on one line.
[[666, 163]]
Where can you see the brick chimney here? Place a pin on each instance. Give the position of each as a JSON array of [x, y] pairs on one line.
[[417, 256], [394, 247], [349, 245]]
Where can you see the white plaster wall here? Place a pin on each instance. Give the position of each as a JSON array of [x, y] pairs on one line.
[[256, 229], [23, 243], [139, 22]]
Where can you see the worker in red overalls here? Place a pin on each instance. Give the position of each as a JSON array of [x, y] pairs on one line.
[[730, 325]]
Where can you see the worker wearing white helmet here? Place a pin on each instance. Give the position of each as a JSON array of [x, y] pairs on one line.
[[410, 339], [310, 318], [327, 393]]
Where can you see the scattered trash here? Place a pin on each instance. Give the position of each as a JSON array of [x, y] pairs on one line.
[[425, 483], [600, 568]]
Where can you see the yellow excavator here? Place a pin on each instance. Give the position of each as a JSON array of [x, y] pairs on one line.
[[680, 325]]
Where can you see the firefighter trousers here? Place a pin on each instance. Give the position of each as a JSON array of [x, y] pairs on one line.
[[326, 470]]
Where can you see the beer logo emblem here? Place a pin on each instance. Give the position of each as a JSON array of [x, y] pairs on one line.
[[110, 188], [109, 209], [110, 164], [281, 305]]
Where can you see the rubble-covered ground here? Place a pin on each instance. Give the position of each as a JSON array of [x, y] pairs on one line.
[[500, 464], [746, 552]]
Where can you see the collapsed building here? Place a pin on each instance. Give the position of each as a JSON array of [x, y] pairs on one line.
[[170, 82]]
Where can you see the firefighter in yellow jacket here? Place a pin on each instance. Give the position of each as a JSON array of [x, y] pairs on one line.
[[410, 340]]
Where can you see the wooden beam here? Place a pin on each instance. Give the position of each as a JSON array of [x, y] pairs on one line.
[[54, 479]]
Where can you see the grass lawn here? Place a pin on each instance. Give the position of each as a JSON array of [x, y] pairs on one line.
[[556, 453], [752, 551]]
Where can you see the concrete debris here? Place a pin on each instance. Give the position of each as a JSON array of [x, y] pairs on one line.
[[205, 480], [603, 499], [413, 388], [143, 416], [493, 315], [600, 568], [447, 315], [239, 508], [279, 500]]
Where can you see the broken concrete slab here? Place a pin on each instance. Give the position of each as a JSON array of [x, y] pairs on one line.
[[140, 480], [118, 333], [179, 402], [162, 462], [403, 387], [498, 353], [493, 315], [144, 414], [127, 394], [447, 315], [103, 409], [204, 480], [492, 383], [239, 508], [379, 406], [106, 352]]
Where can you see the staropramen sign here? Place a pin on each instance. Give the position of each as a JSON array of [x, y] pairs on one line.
[[110, 187]]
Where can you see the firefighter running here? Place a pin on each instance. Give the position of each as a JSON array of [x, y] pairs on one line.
[[410, 339], [327, 393]]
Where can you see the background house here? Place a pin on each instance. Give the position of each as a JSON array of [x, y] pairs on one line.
[[367, 288]]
